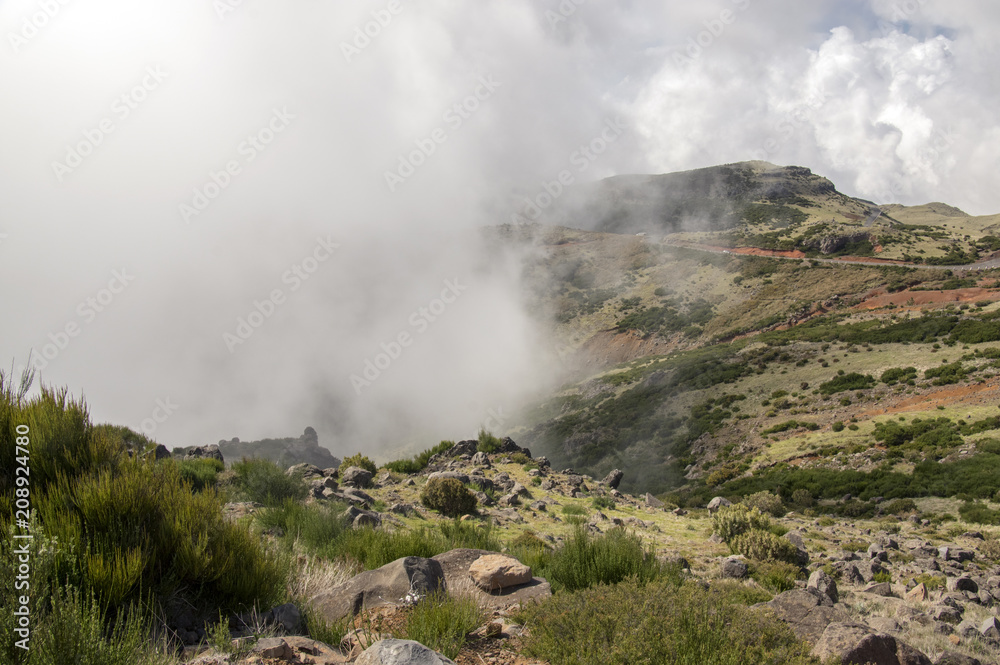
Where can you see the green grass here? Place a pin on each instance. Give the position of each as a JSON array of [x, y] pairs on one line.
[[263, 481], [609, 558], [487, 442], [419, 462], [660, 622], [441, 622]]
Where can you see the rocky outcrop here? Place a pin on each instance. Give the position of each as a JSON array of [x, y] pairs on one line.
[[493, 572], [401, 652], [285, 452]]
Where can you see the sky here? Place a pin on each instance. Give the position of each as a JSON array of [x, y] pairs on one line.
[[238, 218]]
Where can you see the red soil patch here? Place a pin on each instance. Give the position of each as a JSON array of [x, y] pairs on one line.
[[981, 393], [929, 297], [610, 347]]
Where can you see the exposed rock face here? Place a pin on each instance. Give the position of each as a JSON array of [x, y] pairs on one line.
[[388, 585], [286, 452], [400, 652], [734, 568], [456, 564], [614, 478], [807, 612], [496, 571], [856, 644], [718, 502], [824, 584], [203, 452], [356, 477]]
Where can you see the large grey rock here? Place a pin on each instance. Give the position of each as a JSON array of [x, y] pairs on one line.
[[287, 618], [492, 572], [807, 612], [856, 644], [273, 647], [825, 584], [653, 501], [963, 583], [205, 452], [358, 517], [945, 613], [401, 652], [718, 502], [614, 478], [454, 475], [990, 628], [883, 589], [481, 459], [356, 477], [305, 471], [456, 563], [387, 585]]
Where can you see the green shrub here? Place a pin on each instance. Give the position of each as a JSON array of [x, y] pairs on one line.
[[201, 473], [448, 496], [946, 374], [882, 576], [761, 545], [573, 509], [802, 498], [420, 462], [487, 442], [263, 481], [603, 503], [609, 558], [896, 375], [766, 502], [789, 425], [775, 576], [852, 381], [360, 461], [441, 622], [731, 521], [520, 458], [978, 513], [838, 426], [900, 507], [661, 622]]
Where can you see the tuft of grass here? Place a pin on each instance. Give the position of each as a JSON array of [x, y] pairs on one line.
[[200, 473], [610, 558], [573, 509], [487, 442], [442, 622], [263, 481]]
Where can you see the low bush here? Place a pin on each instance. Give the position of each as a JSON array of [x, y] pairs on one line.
[[761, 545], [263, 481], [609, 558], [731, 521], [201, 473], [661, 622], [360, 461], [487, 442], [766, 502], [978, 513], [789, 425], [448, 496], [420, 462], [603, 503], [775, 576], [851, 381], [442, 622], [573, 509]]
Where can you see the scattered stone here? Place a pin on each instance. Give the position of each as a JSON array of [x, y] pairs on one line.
[[963, 583], [400, 652], [305, 471], [205, 452], [883, 589], [718, 502], [990, 628], [807, 612], [854, 643], [455, 475], [653, 501], [614, 478], [945, 613], [356, 477], [734, 568], [496, 571], [917, 594], [286, 617], [825, 584], [273, 647]]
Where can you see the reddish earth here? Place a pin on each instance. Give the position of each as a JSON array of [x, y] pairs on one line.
[[929, 297], [980, 393]]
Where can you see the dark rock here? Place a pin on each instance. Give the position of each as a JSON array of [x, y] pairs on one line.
[[734, 568], [963, 583], [205, 452], [825, 584], [356, 477], [388, 585], [807, 611], [952, 658], [855, 644], [614, 478], [358, 517], [305, 471], [945, 613]]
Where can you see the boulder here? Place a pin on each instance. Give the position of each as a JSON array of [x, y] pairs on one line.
[[205, 452], [387, 585], [917, 594], [734, 568], [614, 478], [481, 459], [855, 644], [305, 471], [400, 652], [273, 647], [455, 564], [990, 628], [962, 583], [807, 612], [945, 613], [356, 476], [455, 475], [825, 584], [286, 617], [357, 497], [359, 517], [492, 572], [883, 589], [653, 501], [718, 502]]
